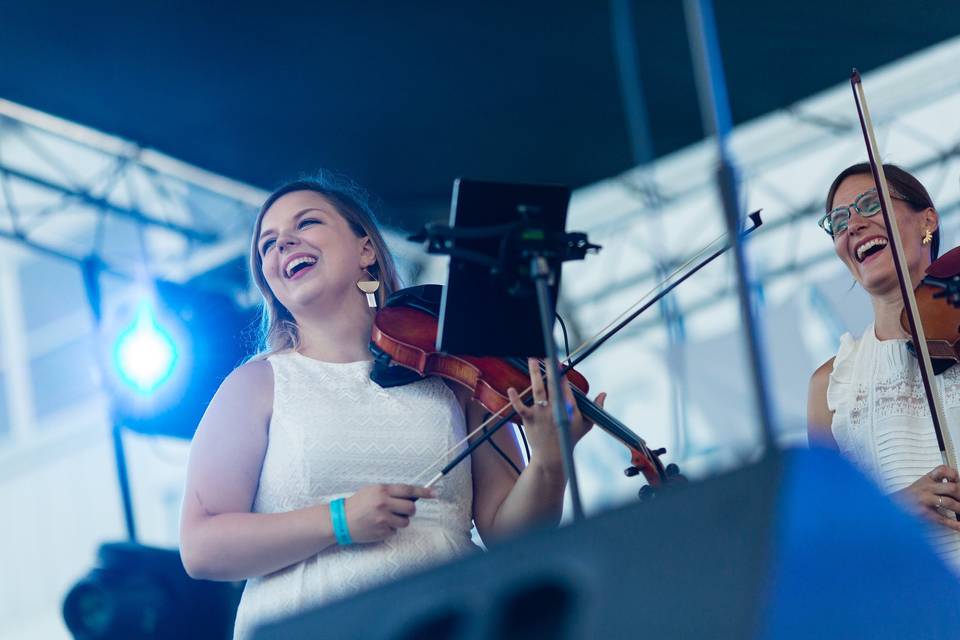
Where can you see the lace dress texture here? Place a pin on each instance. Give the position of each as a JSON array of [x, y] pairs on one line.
[[333, 431], [881, 420]]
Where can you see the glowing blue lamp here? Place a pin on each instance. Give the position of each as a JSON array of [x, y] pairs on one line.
[[144, 354]]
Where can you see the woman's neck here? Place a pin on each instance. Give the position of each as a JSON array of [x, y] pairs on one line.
[[342, 336], [886, 316], [888, 306]]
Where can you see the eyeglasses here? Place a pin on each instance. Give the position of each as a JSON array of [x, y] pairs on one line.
[[835, 221]]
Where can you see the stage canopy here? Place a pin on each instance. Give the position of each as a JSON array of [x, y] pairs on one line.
[[404, 97]]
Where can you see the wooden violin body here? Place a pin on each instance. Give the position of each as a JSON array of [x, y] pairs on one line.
[[938, 300], [406, 337]]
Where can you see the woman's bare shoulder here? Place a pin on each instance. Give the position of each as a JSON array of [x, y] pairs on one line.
[[822, 374], [250, 385], [230, 443], [238, 417], [253, 371], [819, 415]]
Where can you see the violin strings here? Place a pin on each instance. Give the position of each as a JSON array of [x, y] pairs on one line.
[[586, 344], [466, 439], [481, 427]]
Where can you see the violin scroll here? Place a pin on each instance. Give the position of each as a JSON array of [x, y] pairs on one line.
[[655, 479]]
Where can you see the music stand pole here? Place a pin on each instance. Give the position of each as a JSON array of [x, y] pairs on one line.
[[542, 275], [715, 108]]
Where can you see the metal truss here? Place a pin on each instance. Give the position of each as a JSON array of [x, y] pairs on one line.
[[73, 193], [76, 194]]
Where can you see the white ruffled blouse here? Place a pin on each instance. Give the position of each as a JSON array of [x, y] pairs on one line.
[[881, 420]]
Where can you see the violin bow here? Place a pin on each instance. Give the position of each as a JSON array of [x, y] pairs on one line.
[[903, 276], [498, 419]]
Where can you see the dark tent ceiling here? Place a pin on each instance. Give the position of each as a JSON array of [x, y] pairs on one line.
[[405, 96]]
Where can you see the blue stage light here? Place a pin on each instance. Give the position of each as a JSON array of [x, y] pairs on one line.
[[144, 354], [165, 349]]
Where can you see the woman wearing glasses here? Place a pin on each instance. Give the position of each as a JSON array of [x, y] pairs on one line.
[[868, 401]]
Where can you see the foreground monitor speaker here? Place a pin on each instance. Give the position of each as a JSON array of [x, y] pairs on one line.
[[799, 545]]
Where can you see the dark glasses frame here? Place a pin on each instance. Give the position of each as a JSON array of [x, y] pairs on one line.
[[825, 222]]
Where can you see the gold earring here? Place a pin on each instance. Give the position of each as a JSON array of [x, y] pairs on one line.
[[927, 237], [369, 287]]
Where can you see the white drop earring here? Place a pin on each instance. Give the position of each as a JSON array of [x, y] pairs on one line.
[[369, 287]]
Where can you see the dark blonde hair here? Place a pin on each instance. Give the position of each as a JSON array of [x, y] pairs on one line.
[[901, 181], [278, 329]]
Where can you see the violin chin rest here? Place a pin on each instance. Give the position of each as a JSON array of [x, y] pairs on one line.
[[390, 376], [946, 266]]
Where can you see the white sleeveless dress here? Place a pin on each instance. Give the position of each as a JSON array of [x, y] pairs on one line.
[[881, 420], [333, 431]]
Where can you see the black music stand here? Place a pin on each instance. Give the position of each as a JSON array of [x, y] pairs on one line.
[[507, 244], [489, 305]]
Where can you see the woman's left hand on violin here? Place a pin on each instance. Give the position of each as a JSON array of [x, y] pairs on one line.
[[539, 425]]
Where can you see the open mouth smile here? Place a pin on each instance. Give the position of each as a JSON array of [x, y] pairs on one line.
[[869, 247], [298, 264]]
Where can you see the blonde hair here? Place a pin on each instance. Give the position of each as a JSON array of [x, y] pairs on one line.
[[278, 328]]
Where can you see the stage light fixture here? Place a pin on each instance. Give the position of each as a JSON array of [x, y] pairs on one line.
[[144, 354], [165, 349], [139, 592]]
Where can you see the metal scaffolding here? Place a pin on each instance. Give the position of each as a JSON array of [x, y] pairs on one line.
[[73, 193]]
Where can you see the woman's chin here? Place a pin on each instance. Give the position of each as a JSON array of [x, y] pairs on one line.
[[303, 299], [876, 271], [877, 281]]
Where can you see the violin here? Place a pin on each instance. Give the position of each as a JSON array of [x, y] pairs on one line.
[[938, 300], [405, 334]]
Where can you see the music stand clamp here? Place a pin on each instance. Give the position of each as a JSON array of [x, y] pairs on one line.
[[526, 245]]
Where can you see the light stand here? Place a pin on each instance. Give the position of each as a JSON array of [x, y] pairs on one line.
[[91, 268]]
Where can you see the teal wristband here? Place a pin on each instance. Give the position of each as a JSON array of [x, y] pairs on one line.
[[338, 516]]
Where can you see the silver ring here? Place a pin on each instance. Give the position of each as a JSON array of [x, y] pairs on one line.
[[542, 403], [939, 502]]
